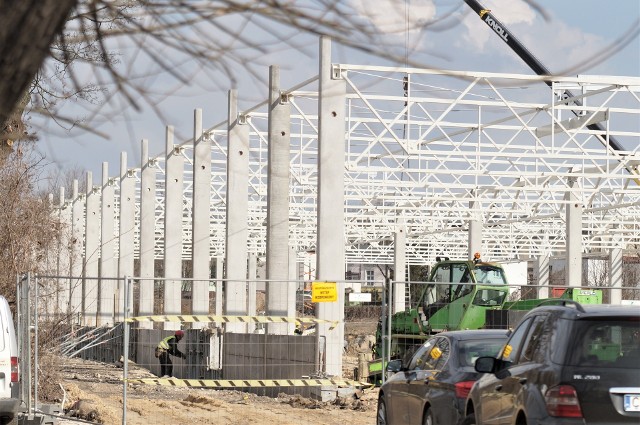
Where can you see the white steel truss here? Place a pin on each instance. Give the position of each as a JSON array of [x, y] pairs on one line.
[[423, 145]]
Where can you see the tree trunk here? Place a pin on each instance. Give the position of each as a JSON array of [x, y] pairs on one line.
[[27, 29]]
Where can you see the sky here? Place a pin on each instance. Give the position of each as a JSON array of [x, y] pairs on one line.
[[571, 31]]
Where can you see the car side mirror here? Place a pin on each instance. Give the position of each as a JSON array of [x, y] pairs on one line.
[[485, 364], [394, 366]]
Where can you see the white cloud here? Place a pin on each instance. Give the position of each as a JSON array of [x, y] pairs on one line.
[[557, 45], [392, 17]]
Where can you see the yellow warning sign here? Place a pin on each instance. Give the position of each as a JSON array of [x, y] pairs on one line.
[[324, 292], [249, 383]]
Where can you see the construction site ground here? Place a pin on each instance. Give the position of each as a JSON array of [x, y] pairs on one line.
[[93, 392]]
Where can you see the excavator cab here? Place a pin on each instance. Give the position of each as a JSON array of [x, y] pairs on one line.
[[459, 293]]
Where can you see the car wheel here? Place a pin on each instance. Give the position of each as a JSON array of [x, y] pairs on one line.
[[427, 419], [470, 419], [381, 416]]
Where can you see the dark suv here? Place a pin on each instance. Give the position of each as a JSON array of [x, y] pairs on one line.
[[563, 364]]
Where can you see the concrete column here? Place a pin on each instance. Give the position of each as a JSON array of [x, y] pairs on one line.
[[108, 264], [278, 203], [573, 264], [76, 250], [615, 271], [475, 230], [542, 274], [126, 236], [201, 216], [91, 252], [64, 288], [400, 268], [219, 285], [330, 264], [252, 272], [174, 188], [235, 299], [147, 233]]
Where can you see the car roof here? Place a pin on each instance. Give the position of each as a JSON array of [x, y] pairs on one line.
[[585, 311], [475, 334]]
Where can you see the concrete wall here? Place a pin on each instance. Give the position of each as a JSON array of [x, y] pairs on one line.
[[245, 356]]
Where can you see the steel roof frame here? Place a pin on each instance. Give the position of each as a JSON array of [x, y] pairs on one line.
[[420, 156]]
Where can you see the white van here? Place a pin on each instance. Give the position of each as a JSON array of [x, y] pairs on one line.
[[9, 372]]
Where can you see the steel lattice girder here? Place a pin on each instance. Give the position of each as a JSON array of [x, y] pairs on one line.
[[419, 156]]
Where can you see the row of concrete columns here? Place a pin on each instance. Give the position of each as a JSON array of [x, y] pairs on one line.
[[101, 236], [93, 218]]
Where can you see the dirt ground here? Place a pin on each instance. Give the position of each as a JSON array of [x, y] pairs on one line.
[[94, 392]]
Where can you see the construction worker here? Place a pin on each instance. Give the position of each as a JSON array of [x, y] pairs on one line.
[[166, 348]]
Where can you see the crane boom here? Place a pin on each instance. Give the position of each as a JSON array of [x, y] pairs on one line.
[[535, 64]]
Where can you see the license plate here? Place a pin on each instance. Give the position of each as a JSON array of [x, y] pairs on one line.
[[632, 402]]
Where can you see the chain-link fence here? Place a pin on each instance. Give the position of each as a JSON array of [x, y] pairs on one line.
[[245, 349], [258, 345]]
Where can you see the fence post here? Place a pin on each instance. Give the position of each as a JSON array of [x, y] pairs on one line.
[[383, 333], [35, 344], [125, 355], [24, 330]]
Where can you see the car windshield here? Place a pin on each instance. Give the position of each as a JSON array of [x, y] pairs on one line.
[[470, 350], [606, 343]]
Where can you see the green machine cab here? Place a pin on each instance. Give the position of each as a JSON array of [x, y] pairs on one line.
[[460, 294]]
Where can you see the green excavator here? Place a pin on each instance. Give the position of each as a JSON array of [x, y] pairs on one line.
[[459, 294]]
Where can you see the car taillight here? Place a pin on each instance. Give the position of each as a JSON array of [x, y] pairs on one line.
[[562, 401], [463, 388], [14, 369]]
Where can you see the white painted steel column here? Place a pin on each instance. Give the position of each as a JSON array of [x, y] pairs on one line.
[[76, 249], [475, 231], [174, 187], [127, 232], [252, 272], [64, 289], [615, 270], [573, 264], [400, 268], [542, 274], [235, 299], [108, 265], [147, 233], [219, 284], [330, 246], [91, 252], [201, 219], [278, 204]]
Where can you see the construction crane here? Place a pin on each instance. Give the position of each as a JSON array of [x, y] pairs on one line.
[[512, 41]]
